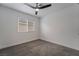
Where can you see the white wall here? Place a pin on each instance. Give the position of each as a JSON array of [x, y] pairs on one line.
[[9, 35], [62, 27]]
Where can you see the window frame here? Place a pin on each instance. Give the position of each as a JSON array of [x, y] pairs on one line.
[[27, 26]]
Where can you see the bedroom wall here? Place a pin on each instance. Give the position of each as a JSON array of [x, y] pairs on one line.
[[62, 27], [9, 34]]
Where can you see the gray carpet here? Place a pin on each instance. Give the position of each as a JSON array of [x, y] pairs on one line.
[[38, 48]]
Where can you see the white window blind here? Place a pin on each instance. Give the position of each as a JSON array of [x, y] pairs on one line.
[[26, 26]]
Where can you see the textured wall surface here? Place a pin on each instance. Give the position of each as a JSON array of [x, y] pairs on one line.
[[9, 34], [62, 27]]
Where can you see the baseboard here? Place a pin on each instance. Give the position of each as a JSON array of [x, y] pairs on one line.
[[42, 40], [59, 44], [18, 44]]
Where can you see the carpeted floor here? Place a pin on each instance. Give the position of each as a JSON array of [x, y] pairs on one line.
[[38, 48]]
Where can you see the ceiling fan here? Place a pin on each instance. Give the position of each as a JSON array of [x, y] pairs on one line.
[[38, 6]]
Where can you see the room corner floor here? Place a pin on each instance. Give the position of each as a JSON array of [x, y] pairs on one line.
[[38, 48]]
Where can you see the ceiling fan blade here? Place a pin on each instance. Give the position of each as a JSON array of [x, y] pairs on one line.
[[36, 5], [45, 6], [29, 5], [36, 12]]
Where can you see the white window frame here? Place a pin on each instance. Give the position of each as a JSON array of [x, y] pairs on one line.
[[27, 28]]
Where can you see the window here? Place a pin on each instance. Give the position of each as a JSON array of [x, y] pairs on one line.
[[31, 26], [26, 26]]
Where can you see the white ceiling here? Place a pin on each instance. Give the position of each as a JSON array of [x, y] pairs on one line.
[[24, 8]]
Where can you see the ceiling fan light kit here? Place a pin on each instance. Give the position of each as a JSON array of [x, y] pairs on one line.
[[37, 9], [38, 6]]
